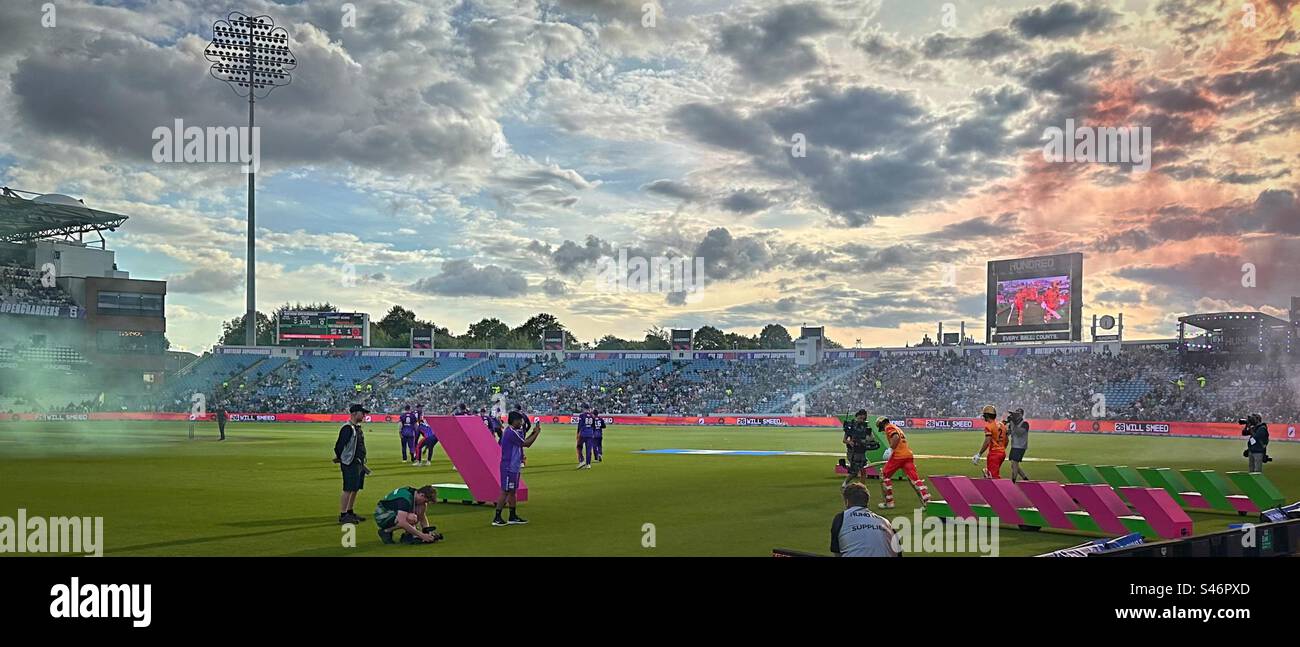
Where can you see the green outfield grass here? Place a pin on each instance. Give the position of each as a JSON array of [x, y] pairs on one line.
[[272, 490]]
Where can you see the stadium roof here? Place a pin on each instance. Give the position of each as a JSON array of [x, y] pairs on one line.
[[1232, 320], [27, 220]]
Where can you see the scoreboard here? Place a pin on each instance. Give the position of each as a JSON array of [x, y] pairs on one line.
[[1035, 299], [338, 329]]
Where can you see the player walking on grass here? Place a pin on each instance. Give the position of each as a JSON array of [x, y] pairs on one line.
[[350, 454], [995, 441], [405, 508], [600, 435], [586, 437], [407, 433], [898, 457], [513, 443]]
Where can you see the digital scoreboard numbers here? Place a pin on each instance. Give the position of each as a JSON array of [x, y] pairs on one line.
[[337, 329]]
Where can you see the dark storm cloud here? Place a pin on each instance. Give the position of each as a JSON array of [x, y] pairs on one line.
[[1276, 263], [1272, 212], [571, 259], [890, 183], [671, 189], [1003, 226], [984, 130], [1167, 97], [460, 278], [1182, 173], [1273, 82], [723, 127], [852, 119], [626, 10], [776, 45], [1065, 73], [105, 85], [745, 202], [1063, 20], [554, 288], [726, 256], [986, 47], [1237, 177]]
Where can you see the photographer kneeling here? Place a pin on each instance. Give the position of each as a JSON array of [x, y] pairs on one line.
[[1257, 444]]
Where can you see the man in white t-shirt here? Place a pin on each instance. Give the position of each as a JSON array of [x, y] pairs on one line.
[[859, 532]]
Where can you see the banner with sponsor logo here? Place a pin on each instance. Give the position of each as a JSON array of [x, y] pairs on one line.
[[1276, 430], [32, 310]]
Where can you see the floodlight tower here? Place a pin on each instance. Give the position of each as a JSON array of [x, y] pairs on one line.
[[252, 55]]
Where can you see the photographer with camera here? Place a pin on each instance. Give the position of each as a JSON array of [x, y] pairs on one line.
[[858, 440], [1256, 452]]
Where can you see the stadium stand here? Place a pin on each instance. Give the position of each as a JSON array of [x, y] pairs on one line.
[[1139, 385]]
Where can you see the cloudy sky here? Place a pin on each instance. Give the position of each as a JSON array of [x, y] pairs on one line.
[[476, 158]]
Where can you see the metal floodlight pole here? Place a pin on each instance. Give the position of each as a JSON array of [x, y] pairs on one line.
[[251, 55]]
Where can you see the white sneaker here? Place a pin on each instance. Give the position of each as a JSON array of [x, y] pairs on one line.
[[424, 463], [582, 465], [886, 506], [586, 466]]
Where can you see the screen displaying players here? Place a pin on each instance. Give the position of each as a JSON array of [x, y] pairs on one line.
[[1044, 300], [1035, 299]]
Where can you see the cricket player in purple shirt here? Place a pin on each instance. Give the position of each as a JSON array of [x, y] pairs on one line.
[[599, 425], [513, 443], [408, 434], [587, 436]]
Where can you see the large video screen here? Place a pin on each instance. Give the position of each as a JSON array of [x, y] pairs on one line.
[[1035, 299], [336, 329]]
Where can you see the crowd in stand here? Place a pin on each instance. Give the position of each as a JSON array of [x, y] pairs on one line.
[[1068, 386], [24, 285], [1136, 385]]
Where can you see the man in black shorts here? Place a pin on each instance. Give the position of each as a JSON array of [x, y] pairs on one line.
[[1018, 429], [350, 454], [857, 440]]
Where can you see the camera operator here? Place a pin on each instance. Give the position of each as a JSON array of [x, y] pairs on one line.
[[1256, 452], [858, 439]]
